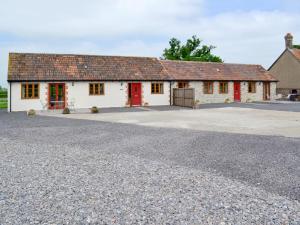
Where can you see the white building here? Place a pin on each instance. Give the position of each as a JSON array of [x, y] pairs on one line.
[[53, 81]]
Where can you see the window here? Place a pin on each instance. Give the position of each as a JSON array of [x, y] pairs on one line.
[[223, 87], [183, 84], [208, 87], [97, 89], [251, 87], [157, 88], [30, 91]]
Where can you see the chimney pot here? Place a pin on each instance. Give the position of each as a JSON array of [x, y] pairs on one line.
[[288, 40]]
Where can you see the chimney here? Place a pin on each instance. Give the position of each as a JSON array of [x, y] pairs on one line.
[[288, 40]]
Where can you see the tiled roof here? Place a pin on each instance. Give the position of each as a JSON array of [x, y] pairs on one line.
[[57, 67], [296, 52], [83, 67], [181, 70]]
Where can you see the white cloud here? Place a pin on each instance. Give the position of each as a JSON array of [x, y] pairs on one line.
[[105, 18], [143, 28]]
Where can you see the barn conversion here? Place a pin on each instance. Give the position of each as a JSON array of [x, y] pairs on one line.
[[56, 81]]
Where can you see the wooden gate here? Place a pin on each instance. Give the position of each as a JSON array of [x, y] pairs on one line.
[[184, 97]]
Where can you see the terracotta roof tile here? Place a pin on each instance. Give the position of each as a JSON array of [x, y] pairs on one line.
[[180, 70], [47, 67], [83, 67]]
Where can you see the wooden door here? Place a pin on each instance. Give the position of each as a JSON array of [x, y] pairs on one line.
[[56, 96], [136, 94], [237, 91], [266, 91]]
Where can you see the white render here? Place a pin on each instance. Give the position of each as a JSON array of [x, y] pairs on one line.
[[116, 95]]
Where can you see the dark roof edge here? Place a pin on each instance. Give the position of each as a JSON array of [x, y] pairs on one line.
[[49, 81], [286, 50]]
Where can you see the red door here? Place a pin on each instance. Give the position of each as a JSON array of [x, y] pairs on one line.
[[237, 91], [136, 94]]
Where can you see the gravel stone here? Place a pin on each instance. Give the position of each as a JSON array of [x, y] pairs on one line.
[[60, 171]]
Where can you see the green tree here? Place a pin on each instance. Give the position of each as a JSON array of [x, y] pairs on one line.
[[191, 51], [296, 46]]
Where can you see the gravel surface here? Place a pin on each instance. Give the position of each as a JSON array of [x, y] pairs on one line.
[[60, 171]]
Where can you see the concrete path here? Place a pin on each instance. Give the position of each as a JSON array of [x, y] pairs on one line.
[[229, 119]]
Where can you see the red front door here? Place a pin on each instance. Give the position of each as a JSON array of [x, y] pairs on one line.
[[237, 91], [136, 94]]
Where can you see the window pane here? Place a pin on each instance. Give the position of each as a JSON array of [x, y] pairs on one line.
[[152, 88], [23, 91], [96, 89], [30, 91], [91, 89], [210, 87], [101, 89], [36, 91]]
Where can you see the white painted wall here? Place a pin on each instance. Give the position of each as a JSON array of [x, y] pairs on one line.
[[116, 95], [155, 99], [18, 104]]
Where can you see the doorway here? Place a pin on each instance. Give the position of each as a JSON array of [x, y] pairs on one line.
[[56, 96], [135, 94], [237, 91], [266, 91]]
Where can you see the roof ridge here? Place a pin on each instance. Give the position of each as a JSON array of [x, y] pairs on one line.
[[168, 60], [73, 54]]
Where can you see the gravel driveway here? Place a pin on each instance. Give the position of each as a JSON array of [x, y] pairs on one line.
[[60, 171]]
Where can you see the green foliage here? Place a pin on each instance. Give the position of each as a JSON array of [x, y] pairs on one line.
[[3, 98], [3, 94], [191, 51], [296, 46], [3, 104]]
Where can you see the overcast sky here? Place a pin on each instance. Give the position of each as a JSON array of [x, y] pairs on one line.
[[243, 31]]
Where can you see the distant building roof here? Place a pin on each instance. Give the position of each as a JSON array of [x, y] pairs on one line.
[[65, 67]]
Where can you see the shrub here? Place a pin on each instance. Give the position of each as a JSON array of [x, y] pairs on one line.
[[94, 109], [66, 111], [227, 100], [31, 112]]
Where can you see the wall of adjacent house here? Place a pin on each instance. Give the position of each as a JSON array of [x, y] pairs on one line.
[[217, 97], [287, 71]]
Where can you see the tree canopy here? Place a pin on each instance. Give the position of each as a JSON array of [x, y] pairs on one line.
[[296, 46], [191, 51]]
